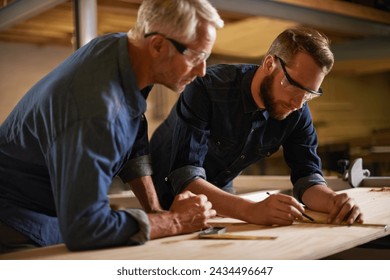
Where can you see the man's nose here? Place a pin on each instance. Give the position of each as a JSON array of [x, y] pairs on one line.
[[200, 69]]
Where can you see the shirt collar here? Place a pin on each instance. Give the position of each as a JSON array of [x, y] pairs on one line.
[[250, 106], [247, 98]]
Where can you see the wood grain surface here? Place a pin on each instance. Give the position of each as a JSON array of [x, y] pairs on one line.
[[298, 241]]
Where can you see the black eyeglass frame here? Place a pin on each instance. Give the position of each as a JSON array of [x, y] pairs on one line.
[[184, 50], [294, 83], [181, 48]]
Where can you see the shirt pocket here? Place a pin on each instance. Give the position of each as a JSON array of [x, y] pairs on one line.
[[222, 146]]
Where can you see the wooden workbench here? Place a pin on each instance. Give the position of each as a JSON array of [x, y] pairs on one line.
[[298, 241], [123, 197]]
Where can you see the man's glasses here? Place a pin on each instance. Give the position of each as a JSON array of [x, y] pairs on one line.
[[287, 81], [192, 56]]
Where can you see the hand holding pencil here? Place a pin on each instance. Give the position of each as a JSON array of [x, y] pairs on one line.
[[303, 213], [281, 209]]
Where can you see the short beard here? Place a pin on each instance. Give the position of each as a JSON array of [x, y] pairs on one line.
[[268, 99]]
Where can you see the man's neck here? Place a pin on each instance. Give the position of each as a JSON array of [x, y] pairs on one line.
[[140, 62], [255, 88]]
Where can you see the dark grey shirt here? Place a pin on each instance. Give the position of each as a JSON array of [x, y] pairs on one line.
[[216, 130]]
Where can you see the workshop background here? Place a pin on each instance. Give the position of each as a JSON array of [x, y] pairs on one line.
[[351, 118]]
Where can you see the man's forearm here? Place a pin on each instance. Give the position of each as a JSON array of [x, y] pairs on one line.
[[224, 203], [163, 224], [319, 198], [144, 190]]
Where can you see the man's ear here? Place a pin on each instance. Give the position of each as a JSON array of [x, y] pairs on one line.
[[269, 63], [156, 45]]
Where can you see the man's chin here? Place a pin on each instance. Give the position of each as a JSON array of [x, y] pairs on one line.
[[176, 88], [180, 88], [280, 116]]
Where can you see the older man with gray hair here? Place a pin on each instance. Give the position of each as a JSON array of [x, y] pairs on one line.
[[84, 123]]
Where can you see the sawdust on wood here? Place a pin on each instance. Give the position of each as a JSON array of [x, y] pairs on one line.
[[383, 189]]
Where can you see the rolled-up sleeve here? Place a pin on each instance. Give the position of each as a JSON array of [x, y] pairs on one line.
[[139, 163], [181, 177], [300, 151], [136, 167], [305, 183], [190, 138], [143, 234]]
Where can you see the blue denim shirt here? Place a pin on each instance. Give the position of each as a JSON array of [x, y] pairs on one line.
[[67, 138], [215, 130]]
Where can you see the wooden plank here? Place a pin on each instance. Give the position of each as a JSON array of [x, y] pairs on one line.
[[298, 241]]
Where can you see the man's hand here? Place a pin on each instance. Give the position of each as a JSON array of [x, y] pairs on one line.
[[344, 208], [192, 211], [340, 206], [277, 209], [188, 213]]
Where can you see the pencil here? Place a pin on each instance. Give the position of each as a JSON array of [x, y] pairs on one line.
[[303, 214], [307, 217], [236, 237]]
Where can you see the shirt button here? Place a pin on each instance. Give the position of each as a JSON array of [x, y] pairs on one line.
[[242, 157], [218, 143], [166, 179], [268, 154], [228, 172], [252, 130]]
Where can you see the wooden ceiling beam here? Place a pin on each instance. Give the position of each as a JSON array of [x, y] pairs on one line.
[[344, 8], [18, 11], [315, 15]]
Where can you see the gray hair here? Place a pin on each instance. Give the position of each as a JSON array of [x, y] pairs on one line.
[[303, 39], [175, 18]]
